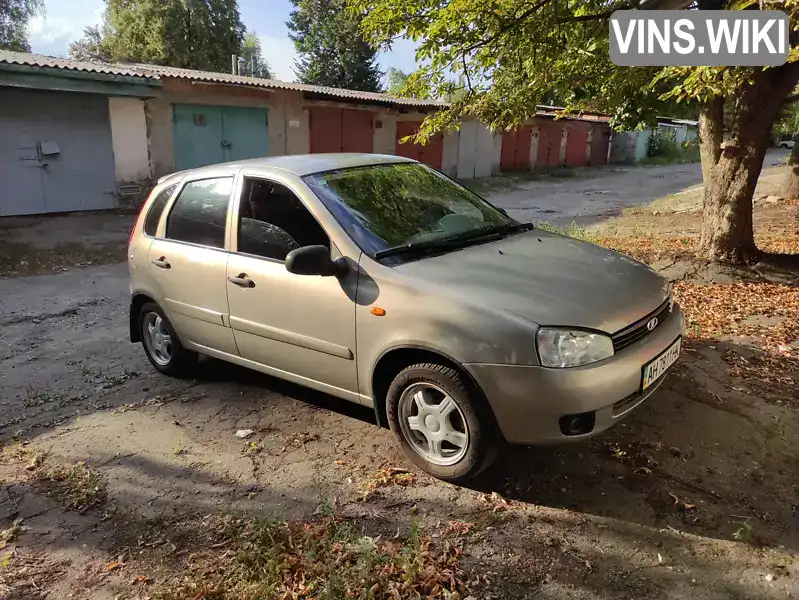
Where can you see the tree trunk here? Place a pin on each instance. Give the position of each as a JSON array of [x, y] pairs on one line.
[[790, 185], [711, 132], [727, 232]]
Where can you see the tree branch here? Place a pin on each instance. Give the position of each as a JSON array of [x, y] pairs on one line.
[[507, 27], [466, 73], [596, 17]]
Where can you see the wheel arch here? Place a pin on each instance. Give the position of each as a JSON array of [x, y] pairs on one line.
[[136, 302], [393, 360]]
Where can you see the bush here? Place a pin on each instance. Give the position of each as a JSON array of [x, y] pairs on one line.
[[664, 149]]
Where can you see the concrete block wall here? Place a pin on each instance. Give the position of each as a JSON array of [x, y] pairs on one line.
[[623, 147]]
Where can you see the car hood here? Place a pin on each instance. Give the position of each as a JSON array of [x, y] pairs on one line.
[[549, 279]]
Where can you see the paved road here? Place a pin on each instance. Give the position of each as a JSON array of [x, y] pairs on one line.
[[603, 192]]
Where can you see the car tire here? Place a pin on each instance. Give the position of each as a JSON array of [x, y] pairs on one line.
[[165, 352], [469, 422]]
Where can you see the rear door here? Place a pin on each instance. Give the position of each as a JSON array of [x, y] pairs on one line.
[[188, 261]]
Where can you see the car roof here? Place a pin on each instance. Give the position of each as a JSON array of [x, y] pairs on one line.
[[305, 164]]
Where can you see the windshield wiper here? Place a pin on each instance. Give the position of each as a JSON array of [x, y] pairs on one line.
[[461, 239]]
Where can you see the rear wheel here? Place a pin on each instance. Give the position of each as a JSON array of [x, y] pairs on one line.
[[161, 344], [438, 422]]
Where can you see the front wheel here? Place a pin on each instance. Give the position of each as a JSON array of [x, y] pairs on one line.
[[438, 422]]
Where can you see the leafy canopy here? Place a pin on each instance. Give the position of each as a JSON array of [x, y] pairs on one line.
[[14, 18], [332, 50], [516, 54], [192, 34], [396, 81], [255, 64]]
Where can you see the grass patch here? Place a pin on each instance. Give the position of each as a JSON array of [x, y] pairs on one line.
[[328, 559], [386, 477], [510, 181], [18, 452], [573, 231], [674, 155], [77, 487]]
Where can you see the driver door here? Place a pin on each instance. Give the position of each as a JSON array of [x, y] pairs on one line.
[[296, 327]]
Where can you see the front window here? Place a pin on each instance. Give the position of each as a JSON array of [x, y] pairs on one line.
[[400, 204]]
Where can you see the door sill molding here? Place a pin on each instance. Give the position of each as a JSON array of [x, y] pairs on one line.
[[280, 374]]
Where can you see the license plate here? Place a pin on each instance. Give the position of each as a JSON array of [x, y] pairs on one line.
[[653, 370]]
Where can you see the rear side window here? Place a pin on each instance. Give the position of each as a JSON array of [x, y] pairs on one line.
[[199, 214], [156, 210]]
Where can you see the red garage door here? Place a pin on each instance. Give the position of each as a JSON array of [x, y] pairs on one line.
[[577, 144], [341, 130], [599, 145], [515, 155], [549, 133], [430, 154]]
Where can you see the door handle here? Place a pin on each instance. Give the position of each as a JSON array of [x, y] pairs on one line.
[[242, 281], [162, 263]]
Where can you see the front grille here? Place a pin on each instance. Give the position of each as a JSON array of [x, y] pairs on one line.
[[638, 330]]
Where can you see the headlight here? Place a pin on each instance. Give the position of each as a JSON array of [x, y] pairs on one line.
[[569, 348]]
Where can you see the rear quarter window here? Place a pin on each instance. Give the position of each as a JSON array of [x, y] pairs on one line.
[[199, 213], [156, 210]]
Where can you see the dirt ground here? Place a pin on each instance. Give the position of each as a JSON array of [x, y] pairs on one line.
[[696, 495]]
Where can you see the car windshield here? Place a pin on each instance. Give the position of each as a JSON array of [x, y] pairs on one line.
[[401, 204]]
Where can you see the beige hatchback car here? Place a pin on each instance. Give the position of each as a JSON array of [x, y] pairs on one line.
[[384, 282]]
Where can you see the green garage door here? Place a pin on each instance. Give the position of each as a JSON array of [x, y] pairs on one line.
[[205, 135]]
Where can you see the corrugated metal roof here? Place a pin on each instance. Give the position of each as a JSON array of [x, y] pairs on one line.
[[157, 71], [283, 85], [38, 60]]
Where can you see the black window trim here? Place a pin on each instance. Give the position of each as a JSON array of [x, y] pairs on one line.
[[174, 199], [167, 204], [237, 217]]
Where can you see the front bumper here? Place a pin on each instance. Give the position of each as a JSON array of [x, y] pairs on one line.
[[528, 402]]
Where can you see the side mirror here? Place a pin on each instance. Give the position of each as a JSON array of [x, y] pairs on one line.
[[503, 211], [315, 260]]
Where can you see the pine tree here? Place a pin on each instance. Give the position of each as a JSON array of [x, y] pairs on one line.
[[192, 34], [332, 49]]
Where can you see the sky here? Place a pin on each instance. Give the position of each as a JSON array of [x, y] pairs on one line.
[[64, 20]]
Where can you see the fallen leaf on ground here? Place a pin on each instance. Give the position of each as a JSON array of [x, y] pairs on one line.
[[113, 566], [460, 527]]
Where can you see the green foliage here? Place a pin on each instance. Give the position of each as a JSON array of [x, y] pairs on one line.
[[787, 124], [14, 18], [254, 62], [516, 54], [663, 148], [192, 34], [396, 81], [332, 50], [328, 559], [662, 141], [90, 47]]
